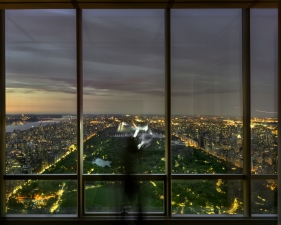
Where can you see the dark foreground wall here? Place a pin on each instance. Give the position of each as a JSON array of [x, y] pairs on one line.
[[90, 221]]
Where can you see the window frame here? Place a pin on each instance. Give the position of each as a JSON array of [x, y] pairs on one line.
[[168, 177]]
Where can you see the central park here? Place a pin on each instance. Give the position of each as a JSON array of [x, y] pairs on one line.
[[107, 153]]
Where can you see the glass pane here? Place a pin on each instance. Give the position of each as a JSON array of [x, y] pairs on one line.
[[207, 197], [123, 59], [128, 196], [40, 90], [41, 197], [264, 124], [206, 91], [264, 196]]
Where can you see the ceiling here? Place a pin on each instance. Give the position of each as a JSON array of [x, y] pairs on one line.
[[126, 4]]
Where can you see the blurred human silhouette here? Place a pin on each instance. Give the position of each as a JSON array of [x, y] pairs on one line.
[[131, 186]]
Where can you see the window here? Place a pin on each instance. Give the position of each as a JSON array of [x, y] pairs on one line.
[[162, 94], [206, 109], [263, 111]]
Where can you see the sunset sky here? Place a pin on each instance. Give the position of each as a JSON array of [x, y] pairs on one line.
[[123, 61]]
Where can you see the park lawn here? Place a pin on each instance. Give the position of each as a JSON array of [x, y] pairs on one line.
[[113, 199]]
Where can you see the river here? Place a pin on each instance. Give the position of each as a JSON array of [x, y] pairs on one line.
[[30, 125]]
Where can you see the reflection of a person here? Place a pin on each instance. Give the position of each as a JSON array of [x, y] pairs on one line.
[[131, 185], [130, 155]]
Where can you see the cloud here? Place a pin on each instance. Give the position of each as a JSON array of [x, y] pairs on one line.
[[124, 53], [265, 112], [204, 91]]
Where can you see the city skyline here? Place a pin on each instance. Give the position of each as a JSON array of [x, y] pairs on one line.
[[199, 145], [124, 62]]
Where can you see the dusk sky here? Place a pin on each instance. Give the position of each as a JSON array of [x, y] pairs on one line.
[[123, 61]]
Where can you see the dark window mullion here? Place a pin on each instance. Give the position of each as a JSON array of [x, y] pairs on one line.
[[40, 177], [168, 182], [120, 177], [79, 81], [279, 112], [246, 98], [208, 176], [2, 114]]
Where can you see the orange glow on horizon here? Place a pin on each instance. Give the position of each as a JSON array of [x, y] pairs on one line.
[[39, 102]]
